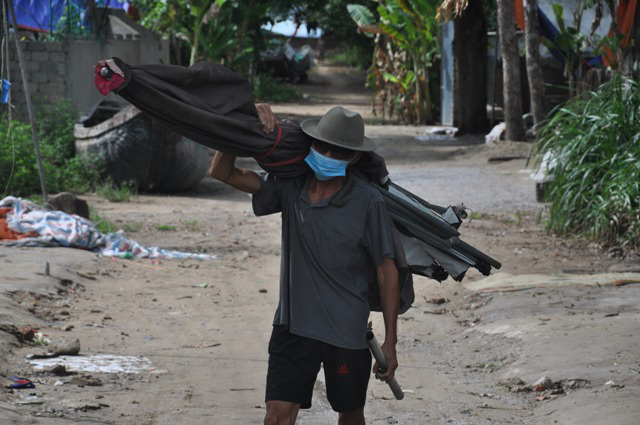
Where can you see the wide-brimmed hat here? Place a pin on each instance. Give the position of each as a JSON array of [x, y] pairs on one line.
[[340, 127]]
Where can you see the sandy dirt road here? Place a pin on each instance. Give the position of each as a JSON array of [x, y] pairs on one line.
[[467, 356]]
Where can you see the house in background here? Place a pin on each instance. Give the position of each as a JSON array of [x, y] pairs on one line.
[[553, 68]]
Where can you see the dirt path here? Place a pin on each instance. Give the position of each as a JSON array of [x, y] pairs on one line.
[[462, 352]]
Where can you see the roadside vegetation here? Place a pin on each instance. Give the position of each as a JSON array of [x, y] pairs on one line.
[[353, 55], [405, 72], [266, 89], [595, 142], [63, 170], [116, 193]]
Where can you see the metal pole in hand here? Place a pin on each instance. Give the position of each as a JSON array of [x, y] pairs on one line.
[[27, 95], [382, 362]]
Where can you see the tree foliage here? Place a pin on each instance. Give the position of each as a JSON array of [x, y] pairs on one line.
[[225, 31], [405, 72]]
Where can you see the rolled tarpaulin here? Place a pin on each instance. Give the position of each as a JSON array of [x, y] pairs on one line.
[[214, 106]]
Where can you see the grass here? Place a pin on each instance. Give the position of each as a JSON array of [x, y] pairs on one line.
[[102, 225], [355, 55], [133, 227], [165, 228], [596, 142], [266, 89], [192, 225], [476, 215], [116, 193]]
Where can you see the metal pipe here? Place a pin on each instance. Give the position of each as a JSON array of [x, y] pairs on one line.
[[382, 362]]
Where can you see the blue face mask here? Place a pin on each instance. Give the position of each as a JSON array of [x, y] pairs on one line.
[[326, 168]]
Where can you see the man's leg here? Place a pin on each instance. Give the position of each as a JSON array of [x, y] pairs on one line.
[[281, 413], [355, 417], [294, 363], [347, 375]]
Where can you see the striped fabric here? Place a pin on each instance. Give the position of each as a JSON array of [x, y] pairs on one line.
[[56, 228]]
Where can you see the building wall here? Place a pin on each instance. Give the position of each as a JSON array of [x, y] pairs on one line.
[[64, 70], [45, 65]]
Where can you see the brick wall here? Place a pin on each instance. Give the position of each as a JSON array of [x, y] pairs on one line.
[[60, 71], [45, 64]]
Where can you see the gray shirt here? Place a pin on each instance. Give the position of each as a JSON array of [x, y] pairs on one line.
[[330, 252]]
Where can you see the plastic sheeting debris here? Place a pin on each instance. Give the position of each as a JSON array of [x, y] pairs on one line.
[[101, 363]]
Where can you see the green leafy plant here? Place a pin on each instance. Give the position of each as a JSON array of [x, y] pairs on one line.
[[116, 192], [63, 171], [406, 51], [595, 140], [166, 228]]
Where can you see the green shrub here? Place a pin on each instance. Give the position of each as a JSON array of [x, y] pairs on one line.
[[596, 142], [116, 193], [266, 89], [63, 171]]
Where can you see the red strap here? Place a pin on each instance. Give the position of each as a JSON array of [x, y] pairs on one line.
[[274, 144], [283, 163]]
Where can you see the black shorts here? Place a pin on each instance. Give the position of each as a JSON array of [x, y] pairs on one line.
[[294, 363]]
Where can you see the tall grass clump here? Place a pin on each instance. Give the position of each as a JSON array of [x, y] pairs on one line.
[[595, 140]]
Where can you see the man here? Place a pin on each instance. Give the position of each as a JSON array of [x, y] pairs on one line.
[[336, 238]]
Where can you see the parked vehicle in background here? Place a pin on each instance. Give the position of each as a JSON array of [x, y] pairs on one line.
[[282, 61]]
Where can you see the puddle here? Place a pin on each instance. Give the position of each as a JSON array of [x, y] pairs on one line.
[[102, 363]]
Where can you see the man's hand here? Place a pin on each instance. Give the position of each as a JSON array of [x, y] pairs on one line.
[[389, 352], [266, 116], [390, 298]]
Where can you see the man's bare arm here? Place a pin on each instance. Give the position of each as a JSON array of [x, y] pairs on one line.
[[223, 165], [223, 168], [390, 298]]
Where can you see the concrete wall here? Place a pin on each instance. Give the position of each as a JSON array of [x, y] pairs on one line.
[[46, 67], [64, 70], [83, 55]]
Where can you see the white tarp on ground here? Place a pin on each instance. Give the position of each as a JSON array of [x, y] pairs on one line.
[[56, 228], [101, 363], [504, 282]]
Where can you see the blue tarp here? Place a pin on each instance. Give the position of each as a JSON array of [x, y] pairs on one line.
[[549, 31], [43, 15]]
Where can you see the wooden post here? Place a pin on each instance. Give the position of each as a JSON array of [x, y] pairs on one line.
[[27, 95]]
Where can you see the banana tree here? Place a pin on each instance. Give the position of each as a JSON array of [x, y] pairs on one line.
[[225, 31], [410, 26]]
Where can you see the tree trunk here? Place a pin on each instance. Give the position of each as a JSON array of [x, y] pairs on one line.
[[470, 69], [534, 71], [510, 71], [194, 45]]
